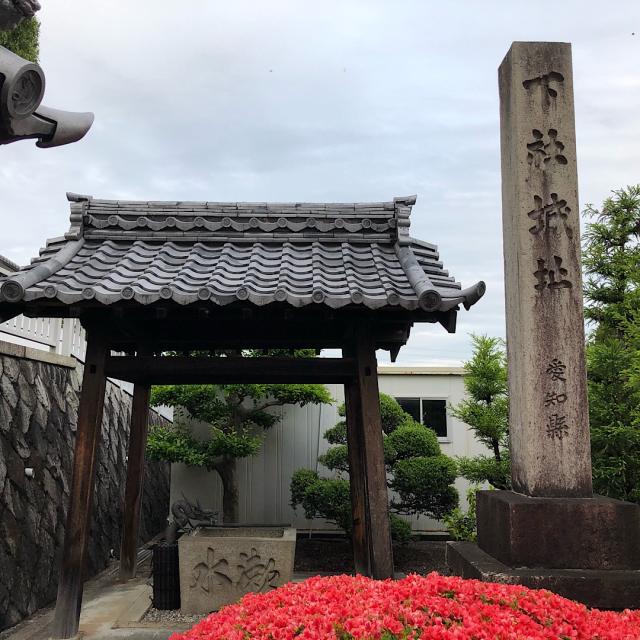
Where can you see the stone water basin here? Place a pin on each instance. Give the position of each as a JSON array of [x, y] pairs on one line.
[[218, 565]]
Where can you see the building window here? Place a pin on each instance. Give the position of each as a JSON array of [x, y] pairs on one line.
[[432, 413]]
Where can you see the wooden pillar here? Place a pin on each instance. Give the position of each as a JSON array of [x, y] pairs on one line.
[[357, 482], [67, 615], [135, 481], [364, 403]]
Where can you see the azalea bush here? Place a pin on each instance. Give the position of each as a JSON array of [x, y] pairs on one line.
[[431, 607]]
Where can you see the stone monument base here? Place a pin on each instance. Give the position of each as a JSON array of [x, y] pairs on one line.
[[219, 565], [586, 549], [559, 533], [600, 589]]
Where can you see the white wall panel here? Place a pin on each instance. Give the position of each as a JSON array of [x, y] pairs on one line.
[[296, 441]]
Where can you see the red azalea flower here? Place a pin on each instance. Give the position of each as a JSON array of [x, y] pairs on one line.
[[434, 607]]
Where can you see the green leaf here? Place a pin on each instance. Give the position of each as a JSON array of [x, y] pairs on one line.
[[336, 458], [23, 40], [409, 440]]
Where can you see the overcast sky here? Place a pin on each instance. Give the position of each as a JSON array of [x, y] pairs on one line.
[[324, 101]]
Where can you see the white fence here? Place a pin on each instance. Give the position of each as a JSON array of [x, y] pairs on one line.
[[65, 337]]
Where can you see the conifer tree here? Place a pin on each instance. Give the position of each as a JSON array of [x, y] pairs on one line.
[[486, 411], [611, 260], [418, 473]]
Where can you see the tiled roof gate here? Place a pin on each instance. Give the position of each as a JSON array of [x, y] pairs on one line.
[[189, 252], [147, 278]]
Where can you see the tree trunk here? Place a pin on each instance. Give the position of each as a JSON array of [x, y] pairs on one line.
[[230, 502], [496, 449]]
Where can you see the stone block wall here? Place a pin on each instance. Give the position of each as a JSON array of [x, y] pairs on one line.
[[38, 414]]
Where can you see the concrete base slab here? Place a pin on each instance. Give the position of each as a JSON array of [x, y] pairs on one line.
[[132, 616], [597, 588], [109, 611]]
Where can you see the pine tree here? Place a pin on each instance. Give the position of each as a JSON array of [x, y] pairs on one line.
[[238, 414], [418, 473]]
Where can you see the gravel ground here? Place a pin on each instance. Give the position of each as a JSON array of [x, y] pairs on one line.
[[171, 617]]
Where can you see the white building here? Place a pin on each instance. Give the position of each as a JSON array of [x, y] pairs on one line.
[[296, 441]]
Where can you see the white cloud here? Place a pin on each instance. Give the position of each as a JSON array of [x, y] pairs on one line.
[[339, 100]]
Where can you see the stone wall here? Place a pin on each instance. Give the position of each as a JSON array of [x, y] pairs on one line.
[[38, 414]]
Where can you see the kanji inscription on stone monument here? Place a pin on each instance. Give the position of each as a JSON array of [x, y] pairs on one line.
[[550, 218], [545, 333]]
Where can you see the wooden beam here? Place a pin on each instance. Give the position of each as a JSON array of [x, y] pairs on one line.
[[357, 480], [135, 479], [197, 370], [176, 329], [369, 424], [67, 614]]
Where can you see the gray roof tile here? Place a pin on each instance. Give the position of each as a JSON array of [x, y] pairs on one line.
[[335, 254]]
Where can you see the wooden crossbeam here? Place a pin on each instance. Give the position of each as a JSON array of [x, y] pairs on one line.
[[230, 370]]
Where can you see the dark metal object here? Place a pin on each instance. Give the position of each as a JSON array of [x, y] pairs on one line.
[[188, 515], [22, 116], [166, 576], [12, 12]]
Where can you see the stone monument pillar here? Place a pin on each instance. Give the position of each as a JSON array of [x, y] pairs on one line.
[[549, 421], [550, 531]]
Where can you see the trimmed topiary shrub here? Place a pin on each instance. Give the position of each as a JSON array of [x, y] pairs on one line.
[[337, 434], [409, 440], [327, 498], [400, 529], [336, 458], [424, 485], [418, 472], [301, 480], [391, 413]]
